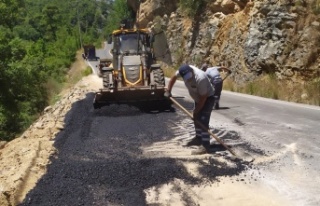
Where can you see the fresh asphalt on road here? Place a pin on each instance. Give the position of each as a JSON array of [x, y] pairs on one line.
[[287, 132], [100, 162]]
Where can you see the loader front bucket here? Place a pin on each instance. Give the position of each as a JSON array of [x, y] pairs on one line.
[[131, 96]]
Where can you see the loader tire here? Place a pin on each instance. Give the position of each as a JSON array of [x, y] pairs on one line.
[[158, 76], [105, 79]]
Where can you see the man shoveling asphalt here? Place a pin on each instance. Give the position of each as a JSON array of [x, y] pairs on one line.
[[202, 92]]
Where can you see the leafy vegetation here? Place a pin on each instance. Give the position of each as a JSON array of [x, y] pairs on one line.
[[316, 6], [191, 7], [270, 87], [119, 12], [38, 43]]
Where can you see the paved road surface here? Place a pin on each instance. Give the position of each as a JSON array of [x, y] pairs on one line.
[[289, 134], [101, 160], [103, 53]]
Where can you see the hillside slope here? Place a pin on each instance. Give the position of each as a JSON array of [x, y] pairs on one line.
[[24, 160], [275, 39]]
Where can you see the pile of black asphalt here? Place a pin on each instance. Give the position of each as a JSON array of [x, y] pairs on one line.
[[99, 159]]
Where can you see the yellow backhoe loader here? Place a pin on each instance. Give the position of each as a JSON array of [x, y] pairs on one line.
[[134, 76]]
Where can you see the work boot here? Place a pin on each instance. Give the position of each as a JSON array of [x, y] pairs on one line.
[[201, 150], [194, 141]]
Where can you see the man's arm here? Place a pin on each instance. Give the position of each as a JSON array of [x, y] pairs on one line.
[[171, 83], [199, 105], [225, 69]]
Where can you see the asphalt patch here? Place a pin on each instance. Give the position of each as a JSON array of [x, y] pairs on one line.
[[99, 159]]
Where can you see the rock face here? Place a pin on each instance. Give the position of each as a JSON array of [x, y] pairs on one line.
[[281, 37], [134, 4], [150, 8]]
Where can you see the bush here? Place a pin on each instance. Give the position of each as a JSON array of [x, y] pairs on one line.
[[87, 71], [267, 86], [316, 7], [313, 92], [191, 7]]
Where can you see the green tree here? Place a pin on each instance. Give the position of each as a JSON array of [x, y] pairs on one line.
[[38, 42], [191, 7], [50, 22], [10, 11], [119, 11]]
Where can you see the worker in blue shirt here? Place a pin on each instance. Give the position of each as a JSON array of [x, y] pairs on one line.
[[213, 74]]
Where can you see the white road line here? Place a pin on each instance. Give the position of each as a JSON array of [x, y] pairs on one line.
[[273, 100]]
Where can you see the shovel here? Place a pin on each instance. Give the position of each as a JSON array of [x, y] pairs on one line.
[[247, 158], [202, 126]]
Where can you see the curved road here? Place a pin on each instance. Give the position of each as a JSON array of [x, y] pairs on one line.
[[104, 53]]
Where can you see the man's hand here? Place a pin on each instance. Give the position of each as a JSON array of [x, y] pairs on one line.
[[167, 94]]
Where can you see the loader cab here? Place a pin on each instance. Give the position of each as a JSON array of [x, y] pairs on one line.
[[131, 43]]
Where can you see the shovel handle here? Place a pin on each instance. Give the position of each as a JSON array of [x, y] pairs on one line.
[[226, 76], [202, 126]]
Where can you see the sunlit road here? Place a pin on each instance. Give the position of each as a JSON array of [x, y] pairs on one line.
[[288, 133], [103, 53], [287, 123]]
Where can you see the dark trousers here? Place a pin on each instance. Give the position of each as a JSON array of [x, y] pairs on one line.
[[217, 84], [204, 118]]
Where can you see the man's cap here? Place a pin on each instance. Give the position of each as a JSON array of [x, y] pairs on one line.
[[204, 66], [185, 71]]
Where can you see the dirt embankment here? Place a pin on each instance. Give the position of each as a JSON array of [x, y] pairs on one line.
[[23, 161]]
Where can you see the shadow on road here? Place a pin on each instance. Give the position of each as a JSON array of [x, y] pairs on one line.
[[222, 108], [99, 160]]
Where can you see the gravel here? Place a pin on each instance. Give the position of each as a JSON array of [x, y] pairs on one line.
[[99, 160]]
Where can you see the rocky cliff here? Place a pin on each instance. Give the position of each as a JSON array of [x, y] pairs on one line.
[[254, 38]]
